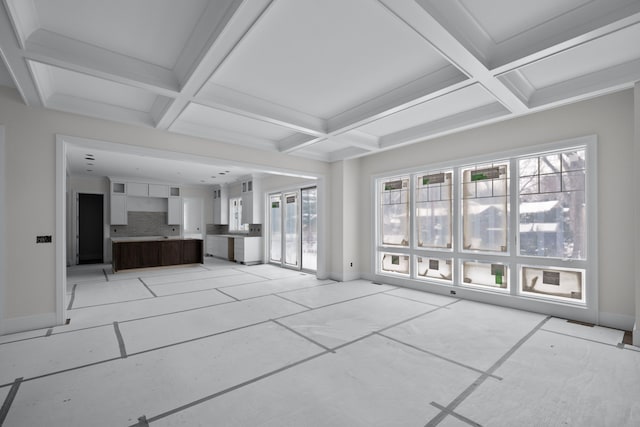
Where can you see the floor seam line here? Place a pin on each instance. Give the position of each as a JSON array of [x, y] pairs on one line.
[[186, 280], [470, 389], [148, 288], [300, 334], [73, 296], [106, 276], [226, 294], [456, 415], [292, 301], [233, 388], [462, 365], [6, 405], [110, 303], [580, 338], [123, 349], [175, 344], [410, 299]]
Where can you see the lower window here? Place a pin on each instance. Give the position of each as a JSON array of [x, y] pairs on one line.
[[484, 274], [552, 282], [395, 263]]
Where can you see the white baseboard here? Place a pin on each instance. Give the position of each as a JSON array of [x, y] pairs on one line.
[[28, 323], [617, 321]]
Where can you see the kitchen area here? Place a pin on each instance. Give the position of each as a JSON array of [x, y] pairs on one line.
[[157, 225]]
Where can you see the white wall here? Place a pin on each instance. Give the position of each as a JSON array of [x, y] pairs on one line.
[[610, 118], [30, 177]]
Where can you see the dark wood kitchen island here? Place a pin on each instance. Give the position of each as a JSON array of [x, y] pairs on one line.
[[145, 252]]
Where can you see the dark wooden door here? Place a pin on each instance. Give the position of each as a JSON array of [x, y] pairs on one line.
[[90, 228]]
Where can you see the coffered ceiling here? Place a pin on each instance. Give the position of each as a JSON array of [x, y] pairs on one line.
[[322, 79]]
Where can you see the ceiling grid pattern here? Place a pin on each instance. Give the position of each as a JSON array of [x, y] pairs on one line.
[[327, 80]]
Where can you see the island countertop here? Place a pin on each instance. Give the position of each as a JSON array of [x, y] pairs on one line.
[[149, 239], [155, 251]]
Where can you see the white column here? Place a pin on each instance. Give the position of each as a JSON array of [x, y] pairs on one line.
[[636, 204]]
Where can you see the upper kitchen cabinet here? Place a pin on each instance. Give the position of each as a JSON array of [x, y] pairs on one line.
[[137, 189], [251, 201], [220, 204], [174, 212], [118, 209], [158, 190]]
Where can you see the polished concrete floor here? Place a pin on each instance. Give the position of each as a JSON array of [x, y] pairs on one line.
[[228, 345]]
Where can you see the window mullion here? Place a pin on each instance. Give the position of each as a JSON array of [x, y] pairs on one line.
[[514, 226]]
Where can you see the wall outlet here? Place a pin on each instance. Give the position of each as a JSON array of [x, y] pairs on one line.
[[350, 264], [43, 239], [452, 292]]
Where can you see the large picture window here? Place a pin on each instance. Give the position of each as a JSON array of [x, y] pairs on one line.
[[434, 210], [514, 225], [395, 212]]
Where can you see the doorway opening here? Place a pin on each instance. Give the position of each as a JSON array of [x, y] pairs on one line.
[[293, 229], [90, 228]]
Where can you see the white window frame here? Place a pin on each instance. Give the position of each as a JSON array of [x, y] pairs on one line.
[[584, 310]]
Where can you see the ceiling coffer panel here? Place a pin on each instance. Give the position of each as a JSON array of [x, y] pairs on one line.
[[324, 58]]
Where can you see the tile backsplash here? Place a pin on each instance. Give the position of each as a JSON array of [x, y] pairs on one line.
[[254, 229], [145, 224]]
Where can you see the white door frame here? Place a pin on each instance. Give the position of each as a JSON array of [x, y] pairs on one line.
[[3, 237]]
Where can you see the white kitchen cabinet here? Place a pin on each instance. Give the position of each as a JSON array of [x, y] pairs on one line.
[[158, 190], [252, 203], [137, 189], [118, 209], [248, 250], [174, 211], [218, 246], [220, 205]]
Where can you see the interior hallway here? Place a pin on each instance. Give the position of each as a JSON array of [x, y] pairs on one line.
[[229, 345]]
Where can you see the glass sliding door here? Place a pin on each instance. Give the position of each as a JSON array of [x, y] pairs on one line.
[[309, 202], [275, 228], [291, 229]]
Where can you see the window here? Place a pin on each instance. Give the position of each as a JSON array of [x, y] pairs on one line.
[[235, 215], [395, 212], [485, 203], [514, 225], [434, 210], [552, 205]]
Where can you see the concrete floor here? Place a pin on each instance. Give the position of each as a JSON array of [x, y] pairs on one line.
[[228, 345]]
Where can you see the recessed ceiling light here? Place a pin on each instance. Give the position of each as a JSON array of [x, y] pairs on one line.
[[214, 177], [89, 170], [89, 164], [221, 173]]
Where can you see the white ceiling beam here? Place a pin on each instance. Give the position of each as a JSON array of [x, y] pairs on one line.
[[296, 142], [600, 82], [568, 44], [347, 153], [63, 52], [359, 139], [418, 18], [99, 110], [439, 127], [396, 100], [223, 38], [223, 135], [16, 65], [230, 100]]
